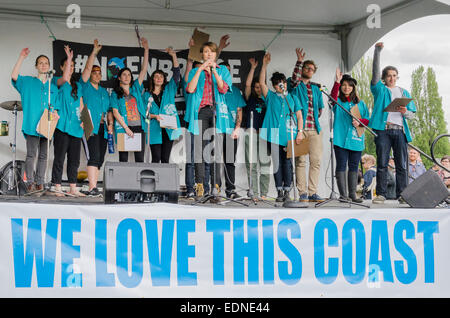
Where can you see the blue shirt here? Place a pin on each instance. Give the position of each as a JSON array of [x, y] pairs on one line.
[[98, 103], [344, 134], [167, 108], [276, 127], [223, 122], [301, 92], [69, 111], [382, 98], [234, 100], [34, 96], [416, 170]]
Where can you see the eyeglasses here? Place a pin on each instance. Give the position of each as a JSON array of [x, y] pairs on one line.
[[307, 68]]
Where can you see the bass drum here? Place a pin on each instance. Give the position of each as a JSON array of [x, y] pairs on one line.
[[9, 183]]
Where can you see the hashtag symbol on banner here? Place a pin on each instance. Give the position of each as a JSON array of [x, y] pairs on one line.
[[80, 63]]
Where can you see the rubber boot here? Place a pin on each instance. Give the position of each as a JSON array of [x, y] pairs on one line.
[[352, 183], [341, 181]]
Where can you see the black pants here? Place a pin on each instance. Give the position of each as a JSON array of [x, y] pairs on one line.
[[161, 152], [95, 148], [204, 141], [70, 145], [138, 155], [229, 158]]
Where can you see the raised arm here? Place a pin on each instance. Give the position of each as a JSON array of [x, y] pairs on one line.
[[262, 74], [22, 56], [190, 62], [144, 67], [90, 62], [176, 65], [297, 73], [222, 44], [251, 74], [337, 84], [376, 72], [66, 72]]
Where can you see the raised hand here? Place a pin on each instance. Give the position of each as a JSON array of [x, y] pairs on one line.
[[171, 52], [300, 54], [97, 47], [144, 43], [253, 63], [69, 52], [339, 75], [224, 41], [380, 45], [267, 58], [24, 53]]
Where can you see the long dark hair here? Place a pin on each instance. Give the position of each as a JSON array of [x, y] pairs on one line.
[[73, 81], [353, 95], [119, 90], [151, 81]]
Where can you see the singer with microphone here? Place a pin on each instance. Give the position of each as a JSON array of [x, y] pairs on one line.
[[34, 92], [348, 145], [160, 99], [310, 97], [207, 86], [129, 109], [276, 127]]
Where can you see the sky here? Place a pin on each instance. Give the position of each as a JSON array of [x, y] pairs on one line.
[[426, 42]]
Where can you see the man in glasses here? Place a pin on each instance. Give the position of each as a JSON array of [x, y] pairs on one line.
[[310, 97]]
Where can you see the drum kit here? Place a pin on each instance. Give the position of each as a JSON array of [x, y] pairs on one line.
[[12, 174]]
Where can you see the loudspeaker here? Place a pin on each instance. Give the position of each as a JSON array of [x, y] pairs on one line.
[[427, 191], [137, 177]]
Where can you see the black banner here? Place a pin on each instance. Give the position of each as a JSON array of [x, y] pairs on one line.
[[113, 58]]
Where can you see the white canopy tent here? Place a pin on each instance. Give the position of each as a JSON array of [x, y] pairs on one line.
[[333, 33]]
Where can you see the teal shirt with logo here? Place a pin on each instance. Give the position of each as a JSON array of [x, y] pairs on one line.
[[234, 100], [69, 111], [98, 103], [34, 97]]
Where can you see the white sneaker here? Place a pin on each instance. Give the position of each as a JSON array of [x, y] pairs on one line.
[[379, 199]]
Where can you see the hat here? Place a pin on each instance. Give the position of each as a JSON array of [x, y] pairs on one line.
[[348, 78]]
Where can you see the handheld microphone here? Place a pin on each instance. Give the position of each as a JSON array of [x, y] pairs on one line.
[[149, 105], [51, 72], [281, 85]]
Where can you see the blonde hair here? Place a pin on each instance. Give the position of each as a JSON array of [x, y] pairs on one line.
[[211, 45], [368, 158]]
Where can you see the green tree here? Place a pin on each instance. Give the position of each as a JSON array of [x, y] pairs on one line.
[[362, 72], [429, 120]]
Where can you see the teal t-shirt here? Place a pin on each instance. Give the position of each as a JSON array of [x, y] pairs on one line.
[[34, 97], [98, 103], [167, 108], [344, 134], [69, 110], [234, 100], [276, 127]]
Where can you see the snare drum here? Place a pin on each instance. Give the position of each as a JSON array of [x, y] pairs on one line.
[[4, 128]]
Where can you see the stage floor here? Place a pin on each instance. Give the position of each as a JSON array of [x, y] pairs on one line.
[[269, 204]]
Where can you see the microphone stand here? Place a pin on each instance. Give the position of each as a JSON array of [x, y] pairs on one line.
[[333, 195], [288, 203]]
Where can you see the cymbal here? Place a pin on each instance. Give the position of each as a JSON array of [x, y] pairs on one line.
[[10, 105]]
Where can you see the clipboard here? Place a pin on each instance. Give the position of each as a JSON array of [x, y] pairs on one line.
[[355, 112], [126, 143], [42, 127], [299, 150], [86, 119], [168, 121], [200, 38], [396, 103]]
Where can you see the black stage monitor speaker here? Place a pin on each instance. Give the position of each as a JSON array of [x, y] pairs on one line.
[[427, 191], [157, 178]]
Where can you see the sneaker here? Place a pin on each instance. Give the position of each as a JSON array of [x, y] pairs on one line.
[[303, 197], [379, 199], [190, 196], [401, 200], [315, 198], [93, 193], [233, 195]]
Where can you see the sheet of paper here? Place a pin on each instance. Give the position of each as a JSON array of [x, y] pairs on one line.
[[127, 143], [168, 121]]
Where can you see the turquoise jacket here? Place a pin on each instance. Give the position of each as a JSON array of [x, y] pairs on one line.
[[167, 108], [119, 104], [34, 96], [276, 126], [69, 110], [382, 98], [98, 103], [234, 100], [223, 121], [344, 134], [301, 92]]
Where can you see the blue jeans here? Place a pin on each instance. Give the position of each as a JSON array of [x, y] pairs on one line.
[[344, 156], [395, 139], [190, 167]]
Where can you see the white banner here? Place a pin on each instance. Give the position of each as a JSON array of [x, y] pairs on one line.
[[178, 251]]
